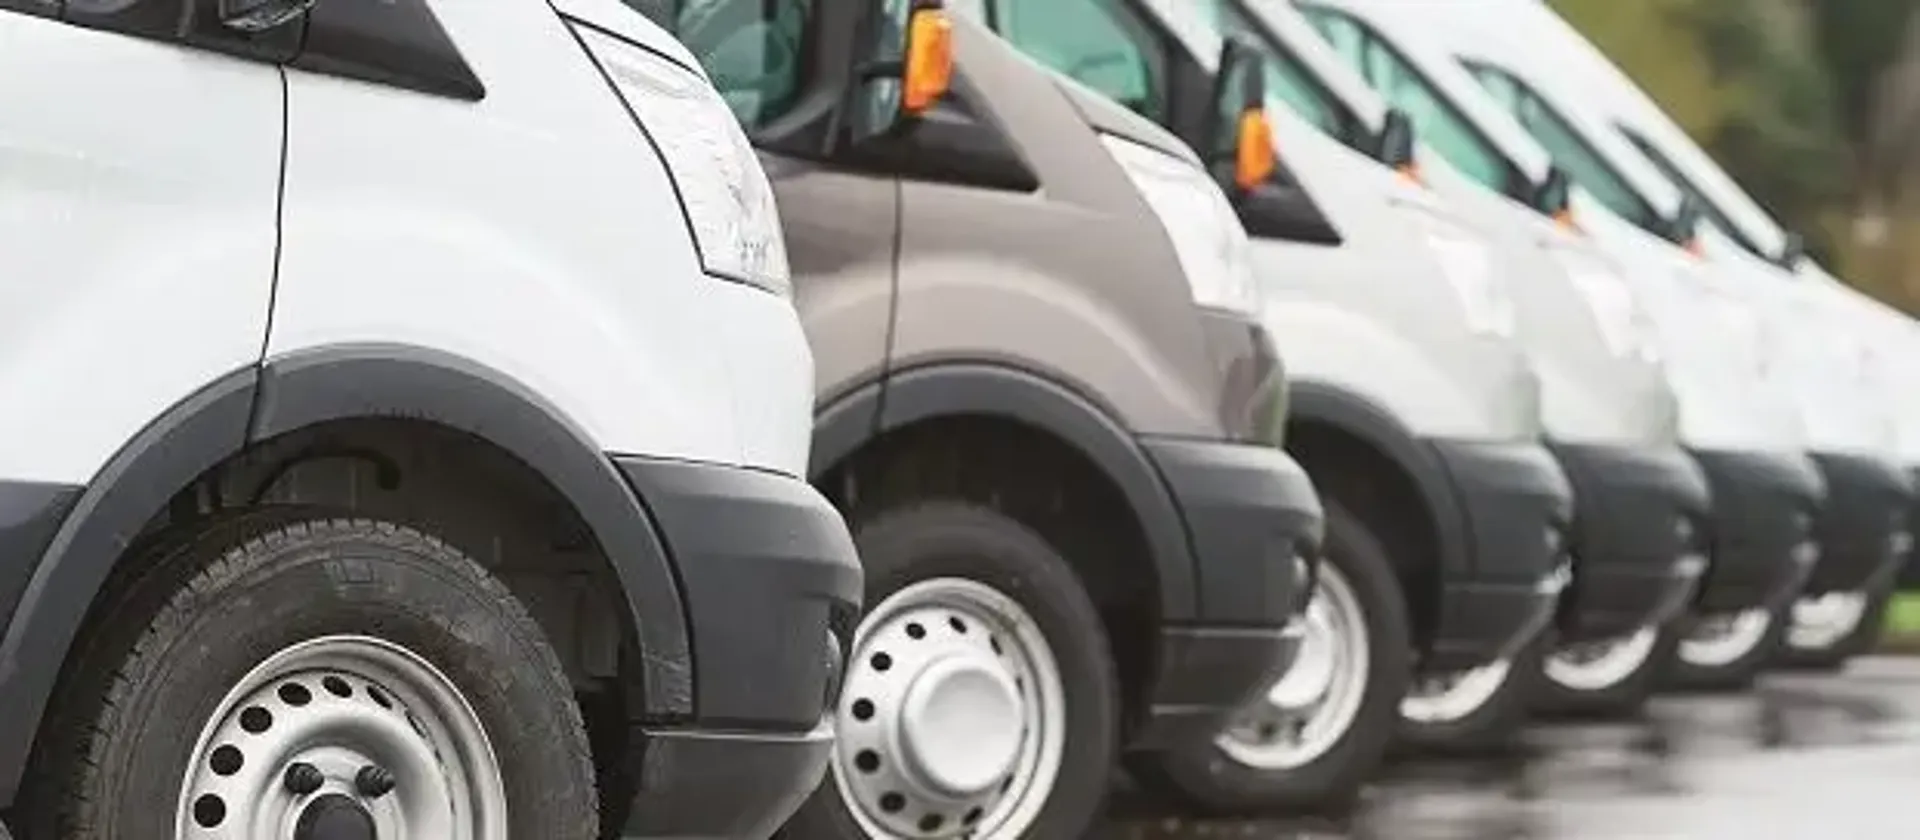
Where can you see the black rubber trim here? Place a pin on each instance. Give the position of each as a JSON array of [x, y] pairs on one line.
[[1206, 673], [949, 390], [387, 380], [1249, 511], [1764, 504], [719, 784], [1330, 405], [163, 458], [37, 8], [1627, 539], [30, 512], [772, 583], [843, 425], [1513, 495], [1867, 504], [399, 43]]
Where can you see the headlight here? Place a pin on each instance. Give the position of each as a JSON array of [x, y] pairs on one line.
[[1467, 265], [1206, 233], [728, 202], [1622, 323]]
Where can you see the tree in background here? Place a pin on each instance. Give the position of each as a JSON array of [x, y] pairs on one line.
[[1813, 105]]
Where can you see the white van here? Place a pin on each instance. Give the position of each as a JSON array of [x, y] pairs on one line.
[[1609, 408], [407, 423], [1735, 416], [1413, 405], [1841, 614]]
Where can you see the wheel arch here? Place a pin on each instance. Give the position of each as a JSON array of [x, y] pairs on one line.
[[1346, 441], [342, 382]]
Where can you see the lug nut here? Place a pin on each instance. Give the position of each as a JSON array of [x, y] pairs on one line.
[[302, 778], [373, 781]]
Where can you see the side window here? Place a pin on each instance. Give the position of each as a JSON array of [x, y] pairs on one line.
[[1093, 41], [1286, 79], [1436, 121], [1565, 145], [1680, 180], [756, 51]]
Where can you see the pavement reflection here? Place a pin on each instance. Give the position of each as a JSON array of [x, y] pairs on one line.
[[1803, 756]]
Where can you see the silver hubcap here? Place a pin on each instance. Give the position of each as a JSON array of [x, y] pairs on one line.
[[1445, 699], [1822, 621], [1312, 706], [953, 718], [1598, 666], [1720, 640], [351, 732]]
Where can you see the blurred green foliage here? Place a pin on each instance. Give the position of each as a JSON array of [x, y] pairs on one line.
[[1814, 105]]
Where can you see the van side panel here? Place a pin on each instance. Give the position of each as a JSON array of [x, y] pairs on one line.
[[138, 262], [1077, 281], [842, 230], [402, 227]]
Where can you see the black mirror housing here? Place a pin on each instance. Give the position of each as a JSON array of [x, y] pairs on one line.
[[875, 99], [1793, 249], [1394, 147], [1554, 194]]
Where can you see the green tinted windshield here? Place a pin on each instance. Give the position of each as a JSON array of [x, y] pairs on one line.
[[1567, 148]]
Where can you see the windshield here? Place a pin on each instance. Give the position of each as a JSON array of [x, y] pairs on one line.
[[1563, 142], [1712, 212]]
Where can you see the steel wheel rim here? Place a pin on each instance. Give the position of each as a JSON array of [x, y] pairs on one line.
[[1457, 696], [1286, 728], [1722, 640], [1822, 621], [1598, 666], [966, 722], [338, 705]]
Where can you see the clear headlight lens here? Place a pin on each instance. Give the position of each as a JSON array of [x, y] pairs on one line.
[[1467, 265], [1206, 233], [728, 201]]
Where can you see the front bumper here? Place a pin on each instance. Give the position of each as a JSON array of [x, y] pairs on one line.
[[1255, 523], [773, 586], [1863, 528], [1638, 538], [1517, 505], [1761, 534]]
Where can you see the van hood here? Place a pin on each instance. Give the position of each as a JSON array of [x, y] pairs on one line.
[[1110, 117], [622, 20]]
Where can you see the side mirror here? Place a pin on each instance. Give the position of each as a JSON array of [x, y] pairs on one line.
[[1394, 147], [1793, 249], [905, 67], [256, 16], [1683, 228], [1240, 130], [1553, 197]]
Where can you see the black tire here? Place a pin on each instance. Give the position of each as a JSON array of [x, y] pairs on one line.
[[1834, 657], [960, 540], [204, 607], [1737, 675], [1621, 700], [1495, 726], [1208, 779]]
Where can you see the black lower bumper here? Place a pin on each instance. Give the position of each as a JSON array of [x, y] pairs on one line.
[[1910, 567], [772, 586], [1254, 522], [1863, 527], [1517, 505], [1761, 534], [1638, 538]]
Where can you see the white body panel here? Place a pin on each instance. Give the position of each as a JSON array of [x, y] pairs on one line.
[[1729, 394], [1376, 314], [532, 232], [137, 195]]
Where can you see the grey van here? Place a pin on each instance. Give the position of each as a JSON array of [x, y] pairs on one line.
[[1045, 404]]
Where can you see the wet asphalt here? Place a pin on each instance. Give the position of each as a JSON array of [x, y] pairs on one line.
[[1822, 757]]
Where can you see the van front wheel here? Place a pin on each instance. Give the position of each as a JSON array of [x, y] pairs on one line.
[[980, 696], [279, 669]]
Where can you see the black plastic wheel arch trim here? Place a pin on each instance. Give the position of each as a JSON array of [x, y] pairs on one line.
[[303, 389]]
